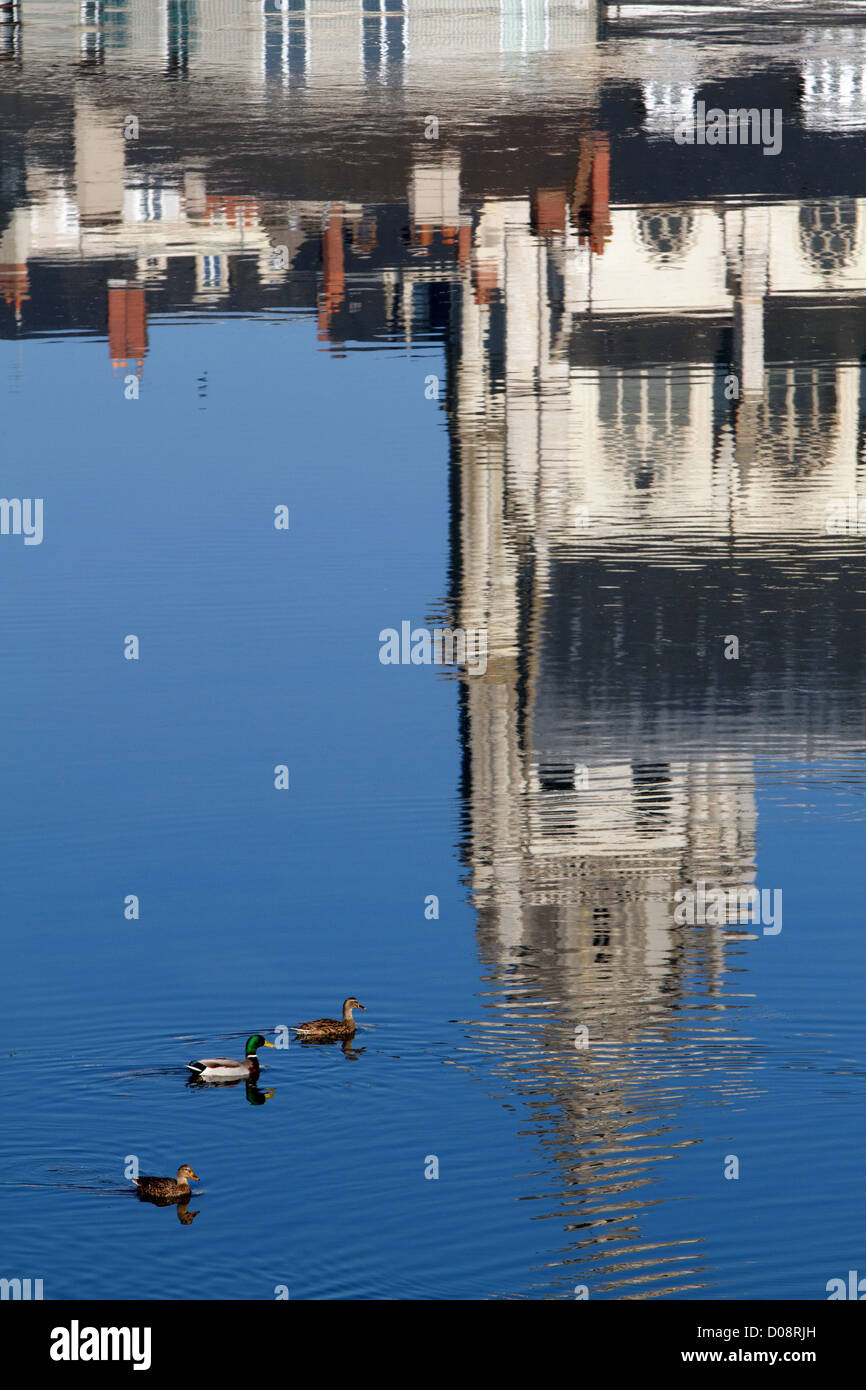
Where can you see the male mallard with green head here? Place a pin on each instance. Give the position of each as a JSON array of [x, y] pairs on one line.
[[226, 1068], [167, 1187], [329, 1029]]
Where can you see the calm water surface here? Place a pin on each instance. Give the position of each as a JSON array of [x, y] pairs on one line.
[[550, 375]]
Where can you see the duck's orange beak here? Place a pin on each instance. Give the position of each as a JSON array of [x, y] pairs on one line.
[[267, 1044]]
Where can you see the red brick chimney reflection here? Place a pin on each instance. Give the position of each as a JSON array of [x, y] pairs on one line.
[[549, 211], [590, 203], [15, 286], [334, 271], [127, 323]]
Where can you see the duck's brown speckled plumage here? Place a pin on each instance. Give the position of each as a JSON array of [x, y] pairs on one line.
[[330, 1029], [167, 1187]]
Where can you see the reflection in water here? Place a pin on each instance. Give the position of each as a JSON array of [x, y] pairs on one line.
[[655, 405], [181, 1205], [618, 514], [347, 1046], [254, 1094]]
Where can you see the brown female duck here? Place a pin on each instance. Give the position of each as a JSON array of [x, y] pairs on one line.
[[167, 1187], [330, 1029]]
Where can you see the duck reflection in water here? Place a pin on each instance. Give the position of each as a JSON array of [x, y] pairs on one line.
[[256, 1096], [181, 1205], [347, 1046], [253, 1093]]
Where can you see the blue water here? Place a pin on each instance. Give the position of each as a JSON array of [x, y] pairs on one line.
[[560, 1170]]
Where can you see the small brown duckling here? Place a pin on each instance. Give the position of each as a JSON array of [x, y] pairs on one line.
[[329, 1029], [167, 1187]]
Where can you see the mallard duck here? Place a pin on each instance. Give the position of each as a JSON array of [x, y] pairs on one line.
[[327, 1029], [226, 1068], [167, 1187]]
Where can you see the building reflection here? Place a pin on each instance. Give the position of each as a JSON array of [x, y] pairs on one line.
[[293, 42]]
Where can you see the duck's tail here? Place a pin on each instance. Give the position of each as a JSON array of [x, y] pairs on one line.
[[197, 1067]]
